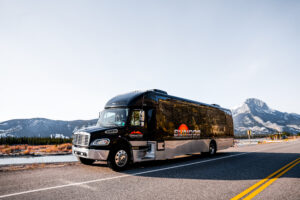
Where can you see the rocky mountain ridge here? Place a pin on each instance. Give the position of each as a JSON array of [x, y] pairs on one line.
[[257, 116], [41, 127]]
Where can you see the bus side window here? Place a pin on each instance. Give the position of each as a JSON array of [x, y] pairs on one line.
[[135, 118]]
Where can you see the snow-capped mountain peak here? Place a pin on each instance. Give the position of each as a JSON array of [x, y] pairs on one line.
[[256, 115], [256, 102], [258, 106]]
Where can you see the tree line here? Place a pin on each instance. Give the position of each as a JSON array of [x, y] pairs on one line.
[[33, 140]]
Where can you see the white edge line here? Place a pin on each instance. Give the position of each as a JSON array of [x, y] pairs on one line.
[[122, 176]]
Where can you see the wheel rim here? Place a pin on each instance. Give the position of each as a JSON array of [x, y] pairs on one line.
[[121, 158]]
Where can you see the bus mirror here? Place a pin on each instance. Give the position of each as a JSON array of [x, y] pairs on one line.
[[142, 117]]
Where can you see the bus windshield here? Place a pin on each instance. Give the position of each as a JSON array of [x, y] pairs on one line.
[[113, 117]]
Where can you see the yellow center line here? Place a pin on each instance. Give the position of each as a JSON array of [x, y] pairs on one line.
[[256, 192], [262, 181]]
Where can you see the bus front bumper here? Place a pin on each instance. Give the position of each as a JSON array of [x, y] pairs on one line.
[[93, 154]]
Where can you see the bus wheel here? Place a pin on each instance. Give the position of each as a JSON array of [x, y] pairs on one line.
[[86, 161], [212, 148], [119, 159]]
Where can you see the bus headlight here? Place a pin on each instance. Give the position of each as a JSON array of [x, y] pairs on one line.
[[101, 142]]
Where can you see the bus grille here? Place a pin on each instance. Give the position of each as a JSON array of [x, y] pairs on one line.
[[81, 139]]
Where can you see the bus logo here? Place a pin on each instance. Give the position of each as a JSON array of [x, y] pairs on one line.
[[183, 131], [136, 134]]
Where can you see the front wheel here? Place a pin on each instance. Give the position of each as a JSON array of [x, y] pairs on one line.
[[119, 159]]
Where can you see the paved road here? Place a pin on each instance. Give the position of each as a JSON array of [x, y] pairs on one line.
[[197, 177]]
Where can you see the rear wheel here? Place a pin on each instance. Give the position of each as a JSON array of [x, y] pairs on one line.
[[119, 159], [212, 149], [86, 161]]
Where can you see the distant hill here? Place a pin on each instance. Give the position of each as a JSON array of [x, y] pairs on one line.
[[41, 127], [256, 115]]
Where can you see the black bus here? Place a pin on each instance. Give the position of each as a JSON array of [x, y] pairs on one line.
[[152, 125]]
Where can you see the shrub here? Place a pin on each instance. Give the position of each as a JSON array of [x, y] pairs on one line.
[[6, 150], [26, 152]]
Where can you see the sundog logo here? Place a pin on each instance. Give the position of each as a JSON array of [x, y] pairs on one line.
[[136, 134], [183, 131]]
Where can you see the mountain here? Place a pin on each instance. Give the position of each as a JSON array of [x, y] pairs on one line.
[[255, 115], [41, 127]]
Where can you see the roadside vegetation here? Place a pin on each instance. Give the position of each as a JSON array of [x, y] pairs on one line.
[[34, 150], [11, 146]]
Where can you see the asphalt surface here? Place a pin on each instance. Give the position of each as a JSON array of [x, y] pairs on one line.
[[223, 176]]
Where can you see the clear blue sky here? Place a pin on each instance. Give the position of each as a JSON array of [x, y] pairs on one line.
[[65, 59]]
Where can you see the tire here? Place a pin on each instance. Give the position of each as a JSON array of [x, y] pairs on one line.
[[119, 158], [86, 161], [212, 149]]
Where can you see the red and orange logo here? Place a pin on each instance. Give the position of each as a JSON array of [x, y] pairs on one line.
[[136, 134], [183, 130]]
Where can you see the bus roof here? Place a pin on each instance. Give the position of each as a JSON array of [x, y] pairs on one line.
[[136, 98]]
